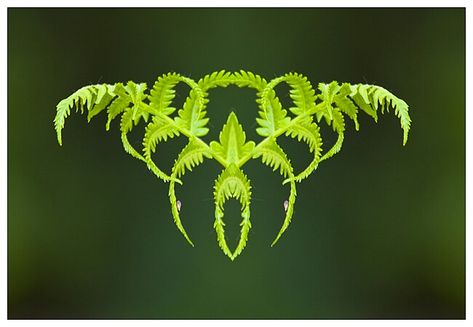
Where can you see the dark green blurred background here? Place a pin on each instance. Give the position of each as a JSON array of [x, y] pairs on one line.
[[378, 230]]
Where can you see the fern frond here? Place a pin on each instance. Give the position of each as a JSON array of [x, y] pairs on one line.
[[163, 93], [346, 105], [273, 156], [359, 94], [248, 79], [232, 183], [309, 132], [232, 150], [192, 115], [338, 125], [368, 98], [132, 116], [118, 105], [232, 146], [379, 95], [328, 92], [302, 93], [216, 79], [94, 98], [105, 94], [272, 116], [191, 156], [157, 130]]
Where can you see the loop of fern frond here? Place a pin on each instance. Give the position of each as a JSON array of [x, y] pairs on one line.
[[216, 79], [248, 79], [232, 183]]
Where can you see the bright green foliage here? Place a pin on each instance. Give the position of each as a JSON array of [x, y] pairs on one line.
[[232, 183], [332, 104], [232, 146]]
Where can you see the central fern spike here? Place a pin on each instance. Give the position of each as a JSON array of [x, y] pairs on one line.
[[329, 103]]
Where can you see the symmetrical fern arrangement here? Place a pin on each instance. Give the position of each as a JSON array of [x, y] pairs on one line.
[[332, 103]]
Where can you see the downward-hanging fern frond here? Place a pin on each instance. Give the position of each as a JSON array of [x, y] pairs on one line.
[[273, 156], [94, 98], [156, 131], [191, 156], [132, 116], [307, 131], [346, 105], [331, 103], [232, 183]]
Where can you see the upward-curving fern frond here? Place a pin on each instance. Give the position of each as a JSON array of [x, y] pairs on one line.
[[133, 103]]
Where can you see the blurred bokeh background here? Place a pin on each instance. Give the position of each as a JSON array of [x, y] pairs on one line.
[[378, 230]]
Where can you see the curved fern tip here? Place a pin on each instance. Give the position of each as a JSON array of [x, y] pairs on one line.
[[135, 104]]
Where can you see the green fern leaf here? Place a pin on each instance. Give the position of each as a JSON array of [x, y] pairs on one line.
[[118, 105], [273, 156], [232, 183], [272, 116], [302, 93], [248, 79], [309, 132], [338, 125], [163, 93], [232, 146], [328, 92], [359, 94], [157, 130], [216, 79], [192, 115], [343, 102], [191, 156], [379, 95], [84, 97], [105, 94]]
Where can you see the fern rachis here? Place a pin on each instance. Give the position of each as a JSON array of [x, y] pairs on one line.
[[135, 103]]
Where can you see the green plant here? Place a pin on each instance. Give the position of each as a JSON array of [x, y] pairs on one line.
[[232, 150]]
